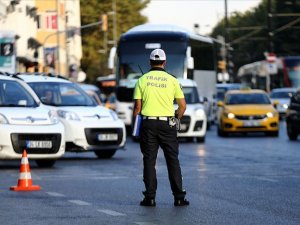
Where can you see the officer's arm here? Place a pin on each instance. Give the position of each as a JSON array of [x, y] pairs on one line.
[[181, 107], [137, 107]]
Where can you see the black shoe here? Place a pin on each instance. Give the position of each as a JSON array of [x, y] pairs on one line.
[[148, 202], [181, 202]]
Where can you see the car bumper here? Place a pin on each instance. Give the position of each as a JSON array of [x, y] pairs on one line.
[[264, 125], [84, 136], [15, 138], [192, 127]]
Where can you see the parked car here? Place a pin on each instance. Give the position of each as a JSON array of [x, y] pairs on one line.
[[25, 124], [282, 96], [247, 111], [293, 116], [89, 126], [194, 121]]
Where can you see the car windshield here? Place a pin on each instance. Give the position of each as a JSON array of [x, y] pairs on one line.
[[281, 94], [221, 93], [13, 94], [62, 94], [255, 98], [190, 95]]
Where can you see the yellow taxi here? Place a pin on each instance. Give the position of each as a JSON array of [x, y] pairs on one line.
[[247, 111]]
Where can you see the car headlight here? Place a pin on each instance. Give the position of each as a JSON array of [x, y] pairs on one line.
[[3, 119], [229, 115], [271, 114], [285, 106], [114, 115], [199, 112], [53, 117], [67, 115]]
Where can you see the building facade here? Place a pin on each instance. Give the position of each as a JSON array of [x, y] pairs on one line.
[[47, 34]]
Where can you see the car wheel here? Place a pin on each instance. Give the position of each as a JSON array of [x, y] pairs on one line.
[[291, 133], [208, 123], [221, 133], [45, 163], [106, 154], [190, 139], [200, 139], [273, 133]]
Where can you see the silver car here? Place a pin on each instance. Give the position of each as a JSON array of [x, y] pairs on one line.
[[282, 96]]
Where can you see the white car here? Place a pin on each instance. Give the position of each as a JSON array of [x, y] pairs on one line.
[[25, 124], [194, 122], [282, 97], [88, 126]]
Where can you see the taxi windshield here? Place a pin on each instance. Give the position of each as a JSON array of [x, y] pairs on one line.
[[253, 98]]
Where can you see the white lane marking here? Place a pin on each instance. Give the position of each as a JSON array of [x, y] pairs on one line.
[[111, 212], [266, 179], [79, 202], [145, 223], [55, 194]]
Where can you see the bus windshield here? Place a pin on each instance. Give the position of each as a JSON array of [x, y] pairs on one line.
[[134, 58]]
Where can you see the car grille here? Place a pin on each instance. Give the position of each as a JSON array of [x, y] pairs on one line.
[[250, 117], [92, 136], [253, 127], [19, 143], [185, 122]]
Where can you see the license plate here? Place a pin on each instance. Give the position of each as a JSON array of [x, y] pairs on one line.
[[38, 144], [251, 123], [107, 137]]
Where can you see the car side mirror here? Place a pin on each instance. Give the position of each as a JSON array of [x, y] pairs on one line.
[[275, 103], [22, 102], [220, 103], [203, 99]]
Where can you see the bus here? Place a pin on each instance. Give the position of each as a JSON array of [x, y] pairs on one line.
[[189, 56], [287, 74]]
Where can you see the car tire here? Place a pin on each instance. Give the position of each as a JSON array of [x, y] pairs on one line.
[[106, 154], [221, 133], [273, 133], [208, 124], [45, 163], [190, 139], [290, 132], [200, 139]]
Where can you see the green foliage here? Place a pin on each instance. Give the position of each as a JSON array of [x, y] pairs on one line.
[[128, 15], [250, 48]]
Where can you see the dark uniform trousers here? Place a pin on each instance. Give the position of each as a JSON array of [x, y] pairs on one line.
[[155, 134]]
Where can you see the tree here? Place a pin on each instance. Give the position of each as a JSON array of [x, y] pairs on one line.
[[248, 33], [128, 15]]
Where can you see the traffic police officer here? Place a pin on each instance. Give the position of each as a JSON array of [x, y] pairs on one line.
[[154, 96]]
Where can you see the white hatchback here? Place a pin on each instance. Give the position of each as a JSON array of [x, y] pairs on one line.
[[194, 122], [25, 124], [89, 126]]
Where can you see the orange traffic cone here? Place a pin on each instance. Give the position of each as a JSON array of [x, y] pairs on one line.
[[25, 182]]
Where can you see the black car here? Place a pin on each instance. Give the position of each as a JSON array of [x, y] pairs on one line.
[[293, 116]]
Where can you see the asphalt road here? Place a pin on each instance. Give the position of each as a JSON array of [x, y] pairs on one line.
[[235, 180]]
